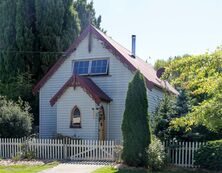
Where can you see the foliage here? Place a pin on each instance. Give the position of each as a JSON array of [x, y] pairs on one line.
[[207, 113], [209, 156], [27, 168], [156, 155], [87, 14], [25, 153], [61, 136], [163, 116], [15, 119], [183, 104], [168, 110], [200, 76], [160, 63], [118, 153], [135, 125]]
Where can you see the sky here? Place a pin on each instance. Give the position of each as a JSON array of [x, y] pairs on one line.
[[163, 28]]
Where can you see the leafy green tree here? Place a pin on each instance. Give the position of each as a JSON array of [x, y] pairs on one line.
[[135, 125], [168, 111], [15, 119], [160, 63], [200, 75], [207, 113]]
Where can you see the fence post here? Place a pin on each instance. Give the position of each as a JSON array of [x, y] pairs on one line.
[[64, 148], [0, 147]]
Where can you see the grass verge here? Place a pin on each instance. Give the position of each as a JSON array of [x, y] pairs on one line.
[[26, 168], [113, 170]]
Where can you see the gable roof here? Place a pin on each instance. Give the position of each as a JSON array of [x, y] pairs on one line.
[[121, 53], [87, 84]]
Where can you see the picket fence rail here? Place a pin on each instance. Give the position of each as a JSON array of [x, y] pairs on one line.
[[181, 154], [93, 150]]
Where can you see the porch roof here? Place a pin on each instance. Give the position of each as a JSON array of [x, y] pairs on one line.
[[97, 94]]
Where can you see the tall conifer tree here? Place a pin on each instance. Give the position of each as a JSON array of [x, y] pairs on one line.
[[135, 125], [8, 65], [71, 24], [87, 14]]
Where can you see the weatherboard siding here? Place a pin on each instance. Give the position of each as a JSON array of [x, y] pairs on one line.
[[89, 121], [114, 85]]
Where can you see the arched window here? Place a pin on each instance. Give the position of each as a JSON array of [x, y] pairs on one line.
[[75, 118]]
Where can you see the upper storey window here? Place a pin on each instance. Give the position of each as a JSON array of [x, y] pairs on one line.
[[81, 67], [91, 67]]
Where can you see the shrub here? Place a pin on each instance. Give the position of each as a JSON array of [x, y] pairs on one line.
[[156, 155], [25, 153], [118, 153], [135, 125], [15, 119], [209, 156]]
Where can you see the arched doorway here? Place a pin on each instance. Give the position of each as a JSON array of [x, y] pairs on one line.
[[101, 123]]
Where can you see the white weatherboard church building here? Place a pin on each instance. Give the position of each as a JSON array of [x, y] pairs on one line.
[[83, 94]]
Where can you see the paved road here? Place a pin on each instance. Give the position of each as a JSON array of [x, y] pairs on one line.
[[75, 167]]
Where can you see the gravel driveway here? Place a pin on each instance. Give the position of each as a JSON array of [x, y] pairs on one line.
[[75, 167]]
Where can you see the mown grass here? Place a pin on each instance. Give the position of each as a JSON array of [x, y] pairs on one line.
[[26, 168], [113, 170]]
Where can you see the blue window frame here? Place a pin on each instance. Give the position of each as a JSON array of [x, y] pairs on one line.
[[81, 67], [99, 67], [91, 67]]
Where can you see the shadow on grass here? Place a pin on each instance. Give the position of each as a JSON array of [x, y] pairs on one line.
[[113, 170]]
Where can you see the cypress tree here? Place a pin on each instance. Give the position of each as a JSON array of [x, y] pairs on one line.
[[135, 125], [87, 14], [8, 65], [49, 22], [71, 24], [25, 36]]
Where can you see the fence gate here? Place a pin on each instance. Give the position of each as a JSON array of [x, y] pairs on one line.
[[91, 150]]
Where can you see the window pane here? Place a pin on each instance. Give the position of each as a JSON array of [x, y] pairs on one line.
[[76, 120], [99, 67], [76, 113], [81, 67]]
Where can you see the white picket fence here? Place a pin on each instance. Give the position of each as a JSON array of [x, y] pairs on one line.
[[179, 153], [182, 153], [92, 150]]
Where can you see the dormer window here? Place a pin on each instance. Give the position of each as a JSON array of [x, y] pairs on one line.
[[91, 67]]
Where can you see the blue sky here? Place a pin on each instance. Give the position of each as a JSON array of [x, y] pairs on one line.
[[163, 28]]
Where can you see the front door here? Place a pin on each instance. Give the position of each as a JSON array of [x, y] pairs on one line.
[[101, 123]]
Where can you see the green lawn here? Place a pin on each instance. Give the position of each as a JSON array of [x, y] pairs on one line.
[[26, 169], [112, 170]]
